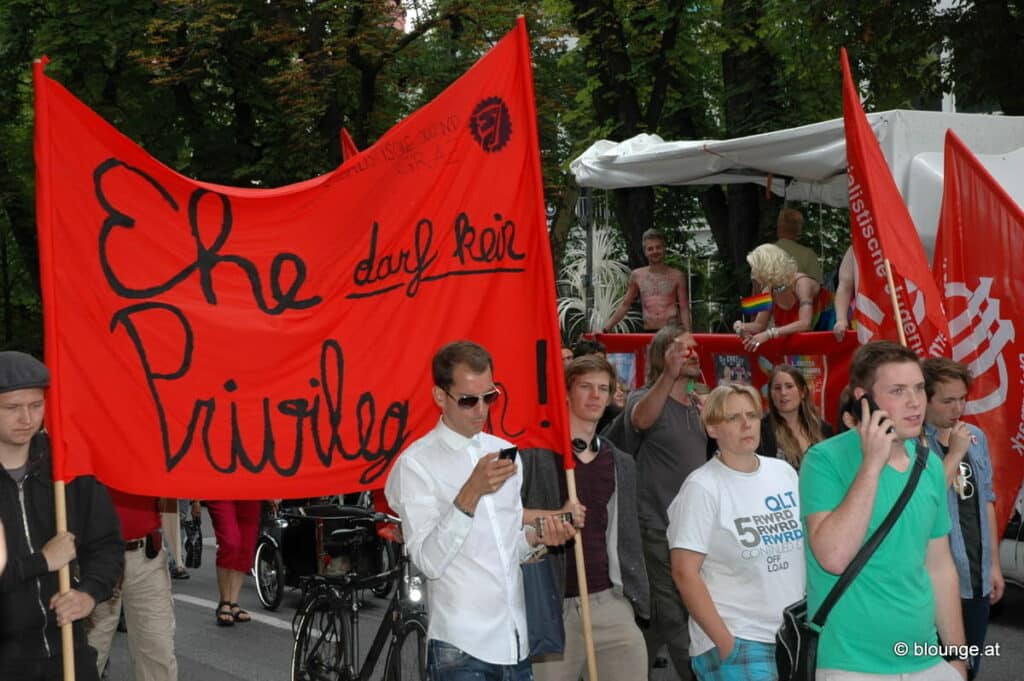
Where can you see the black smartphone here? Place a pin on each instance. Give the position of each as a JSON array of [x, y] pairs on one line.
[[508, 453], [567, 517], [853, 407]]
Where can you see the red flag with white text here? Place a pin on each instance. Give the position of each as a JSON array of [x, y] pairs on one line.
[[882, 229], [979, 246], [216, 342]]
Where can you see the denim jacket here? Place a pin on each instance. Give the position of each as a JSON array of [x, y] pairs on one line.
[[977, 453]]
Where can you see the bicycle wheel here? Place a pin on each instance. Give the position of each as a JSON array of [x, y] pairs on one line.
[[387, 556], [319, 650], [269, 572], [407, 659]]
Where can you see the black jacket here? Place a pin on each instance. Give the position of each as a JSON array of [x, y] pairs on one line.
[[28, 628]]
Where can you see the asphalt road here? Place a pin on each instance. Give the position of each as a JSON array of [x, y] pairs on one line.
[[257, 651], [261, 649]]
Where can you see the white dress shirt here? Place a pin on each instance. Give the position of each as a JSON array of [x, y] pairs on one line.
[[475, 586]]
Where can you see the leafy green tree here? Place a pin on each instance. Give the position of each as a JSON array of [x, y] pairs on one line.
[[730, 68], [985, 37], [246, 92]]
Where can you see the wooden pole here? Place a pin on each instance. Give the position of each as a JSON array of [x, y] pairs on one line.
[[581, 578], [895, 303], [64, 579]]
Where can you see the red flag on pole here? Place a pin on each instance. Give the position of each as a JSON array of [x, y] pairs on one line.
[[881, 229], [348, 146], [210, 341], [979, 245]]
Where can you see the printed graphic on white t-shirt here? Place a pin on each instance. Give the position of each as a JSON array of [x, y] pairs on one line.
[[748, 527]]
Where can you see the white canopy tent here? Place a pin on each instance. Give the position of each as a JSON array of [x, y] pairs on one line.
[[808, 163]]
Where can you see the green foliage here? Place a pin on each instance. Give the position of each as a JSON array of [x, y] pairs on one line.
[[984, 38], [255, 93]]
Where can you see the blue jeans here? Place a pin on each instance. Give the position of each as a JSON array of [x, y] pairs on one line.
[[447, 663]]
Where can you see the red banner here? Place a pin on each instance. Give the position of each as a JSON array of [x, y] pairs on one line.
[[824, 363], [881, 229], [979, 245], [216, 342]]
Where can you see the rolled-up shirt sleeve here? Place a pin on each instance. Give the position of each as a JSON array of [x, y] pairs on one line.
[[434, 529]]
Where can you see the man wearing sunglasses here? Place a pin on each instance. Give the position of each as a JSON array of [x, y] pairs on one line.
[[964, 452], [463, 525]]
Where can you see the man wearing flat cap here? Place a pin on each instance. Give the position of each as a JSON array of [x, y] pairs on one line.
[[31, 609]]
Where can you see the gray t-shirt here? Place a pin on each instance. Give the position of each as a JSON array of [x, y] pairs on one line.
[[671, 449], [19, 473]]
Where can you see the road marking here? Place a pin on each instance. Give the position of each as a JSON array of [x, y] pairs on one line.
[[256, 617], [277, 623]]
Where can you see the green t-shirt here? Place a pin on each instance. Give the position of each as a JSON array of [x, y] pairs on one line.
[[891, 601]]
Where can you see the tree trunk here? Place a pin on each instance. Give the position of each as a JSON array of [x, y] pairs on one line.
[[634, 208]]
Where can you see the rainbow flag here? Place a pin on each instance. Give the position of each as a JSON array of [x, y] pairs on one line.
[[755, 304]]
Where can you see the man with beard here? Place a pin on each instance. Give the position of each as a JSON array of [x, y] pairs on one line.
[[663, 426]]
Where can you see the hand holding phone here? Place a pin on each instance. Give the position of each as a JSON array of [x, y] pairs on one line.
[[508, 454], [854, 407], [563, 517], [877, 433]]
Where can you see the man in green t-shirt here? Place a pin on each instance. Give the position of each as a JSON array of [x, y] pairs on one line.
[[886, 622]]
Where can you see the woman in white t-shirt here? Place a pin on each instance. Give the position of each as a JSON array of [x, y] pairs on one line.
[[737, 544]]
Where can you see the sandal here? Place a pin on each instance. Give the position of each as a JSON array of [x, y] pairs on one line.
[[238, 614], [225, 618]]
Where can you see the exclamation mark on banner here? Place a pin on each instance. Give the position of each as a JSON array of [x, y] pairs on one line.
[[542, 377]]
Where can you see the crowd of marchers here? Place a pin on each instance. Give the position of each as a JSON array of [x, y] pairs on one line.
[[693, 516]]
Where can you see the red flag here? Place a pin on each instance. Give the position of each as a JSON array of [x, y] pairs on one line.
[[217, 342], [881, 228], [348, 146], [979, 245]]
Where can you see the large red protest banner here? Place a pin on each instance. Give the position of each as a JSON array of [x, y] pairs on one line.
[[979, 245], [217, 342], [882, 229]]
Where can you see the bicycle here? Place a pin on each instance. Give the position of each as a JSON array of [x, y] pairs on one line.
[[326, 625]]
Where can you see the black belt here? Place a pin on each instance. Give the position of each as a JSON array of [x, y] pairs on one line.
[[134, 544]]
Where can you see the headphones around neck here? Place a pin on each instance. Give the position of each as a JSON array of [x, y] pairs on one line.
[[579, 444]]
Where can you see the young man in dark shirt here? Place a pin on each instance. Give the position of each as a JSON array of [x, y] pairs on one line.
[[613, 556], [31, 609], [974, 538]]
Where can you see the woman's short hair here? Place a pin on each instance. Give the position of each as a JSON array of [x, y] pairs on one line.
[[713, 412], [771, 265]]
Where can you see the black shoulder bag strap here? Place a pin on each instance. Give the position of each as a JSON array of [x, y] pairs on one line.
[[869, 547]]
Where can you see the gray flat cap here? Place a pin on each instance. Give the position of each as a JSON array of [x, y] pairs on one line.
[[19, 370]]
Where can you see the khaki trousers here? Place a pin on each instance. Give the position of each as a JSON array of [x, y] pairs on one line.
[[618, 644], [145, 594], [170, 523]]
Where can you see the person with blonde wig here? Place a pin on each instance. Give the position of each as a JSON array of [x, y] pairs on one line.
[[799, 301], [736, 544]]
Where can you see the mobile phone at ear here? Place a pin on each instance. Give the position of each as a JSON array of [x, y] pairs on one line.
[[508, 453], [854, 407]]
